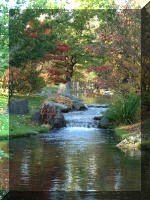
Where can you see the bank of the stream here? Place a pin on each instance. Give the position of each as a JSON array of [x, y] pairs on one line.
[[16, 125], [136, 129]]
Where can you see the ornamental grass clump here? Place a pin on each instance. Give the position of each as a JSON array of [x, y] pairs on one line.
[[125, 109], [62, 100]]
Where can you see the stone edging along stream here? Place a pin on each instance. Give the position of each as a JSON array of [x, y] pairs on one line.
[[131, 142]]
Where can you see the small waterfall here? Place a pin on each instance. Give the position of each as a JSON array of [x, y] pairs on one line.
[[83, 118], [82, 124]]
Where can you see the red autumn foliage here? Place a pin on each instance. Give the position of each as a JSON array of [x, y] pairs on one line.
[[62, 47], [33, 35], [21, 80], [47, 31]]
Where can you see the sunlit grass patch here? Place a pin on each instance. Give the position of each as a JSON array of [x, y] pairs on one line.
[[3, 102], [19, 125], [128, 130], [4, 125]]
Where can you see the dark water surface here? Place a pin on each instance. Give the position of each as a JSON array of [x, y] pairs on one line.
[[79, 157]]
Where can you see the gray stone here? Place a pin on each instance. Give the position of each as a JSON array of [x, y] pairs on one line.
[[134, 139], [36, 117], [19, 107], [105, 123], [78, 105], [58, 106], [98, 105], [59, 120], [64, 89], [131, 142], [55, 121], [123, 143], [98, 117]]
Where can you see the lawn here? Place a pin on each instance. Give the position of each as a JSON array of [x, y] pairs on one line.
[[16, 125]]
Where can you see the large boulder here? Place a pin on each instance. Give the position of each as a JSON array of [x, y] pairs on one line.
[[77, 104], [18, 107], [64, 89], [55, 118], [105, 123], [59, 120], [58, 106], [36, 117]]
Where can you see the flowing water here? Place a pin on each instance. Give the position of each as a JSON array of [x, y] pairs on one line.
[[78, 157]]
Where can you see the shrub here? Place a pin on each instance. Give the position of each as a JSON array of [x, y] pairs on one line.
[[22, 81], [125, 109]]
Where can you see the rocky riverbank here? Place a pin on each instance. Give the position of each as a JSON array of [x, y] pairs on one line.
[[132, 142], [129, 136], [51, 111]]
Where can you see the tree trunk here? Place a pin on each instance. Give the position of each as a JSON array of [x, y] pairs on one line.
[[70, 70]]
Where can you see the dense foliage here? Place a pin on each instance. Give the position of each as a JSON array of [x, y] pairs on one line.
[[59, 45]]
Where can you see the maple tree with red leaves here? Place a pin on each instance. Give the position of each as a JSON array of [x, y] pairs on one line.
[[111, 50]]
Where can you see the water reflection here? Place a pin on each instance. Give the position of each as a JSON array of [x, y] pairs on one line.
[[61, 195], [72, 160]]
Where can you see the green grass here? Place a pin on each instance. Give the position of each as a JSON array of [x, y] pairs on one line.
[[52, 89], [4, 118], [122, 134], [124, 110], [3, 102], [4, 125], [20, 125]]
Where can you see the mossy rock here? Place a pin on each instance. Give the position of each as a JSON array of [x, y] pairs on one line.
[[105, 123]]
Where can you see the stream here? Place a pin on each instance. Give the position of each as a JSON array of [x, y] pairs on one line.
[[78, 157]]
